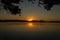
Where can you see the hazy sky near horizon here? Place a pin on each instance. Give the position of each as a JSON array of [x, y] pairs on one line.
[[30, 10]]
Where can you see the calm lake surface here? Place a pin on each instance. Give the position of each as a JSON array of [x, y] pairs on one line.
[[29, 31]]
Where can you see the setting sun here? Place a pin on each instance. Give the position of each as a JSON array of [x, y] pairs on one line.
[[30, 19]]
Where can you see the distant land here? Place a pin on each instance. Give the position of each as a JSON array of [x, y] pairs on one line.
[[29, 21]]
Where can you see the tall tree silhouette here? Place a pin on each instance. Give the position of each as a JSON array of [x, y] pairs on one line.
[[8, 5], [14, 9]]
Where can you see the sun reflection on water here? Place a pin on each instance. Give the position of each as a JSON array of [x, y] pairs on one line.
[[30, 25]]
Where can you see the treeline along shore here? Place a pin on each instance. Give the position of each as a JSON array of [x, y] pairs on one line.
[[29, 21]]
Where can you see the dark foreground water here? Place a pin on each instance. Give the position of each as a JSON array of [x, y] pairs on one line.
[[29, 31]]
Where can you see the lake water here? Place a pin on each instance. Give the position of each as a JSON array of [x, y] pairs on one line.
[[29, 31]]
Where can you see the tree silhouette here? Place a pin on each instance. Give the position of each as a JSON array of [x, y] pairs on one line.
[[14, 9]]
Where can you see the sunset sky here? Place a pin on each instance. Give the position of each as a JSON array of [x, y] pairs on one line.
[[30, 10]]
